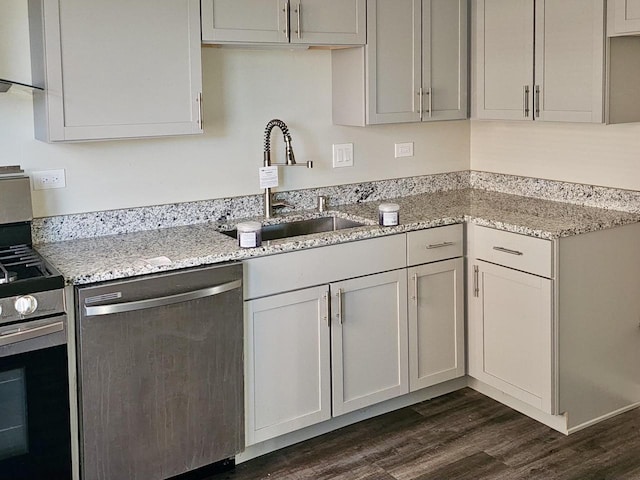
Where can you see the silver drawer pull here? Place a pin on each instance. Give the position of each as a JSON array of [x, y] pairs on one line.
[[440, 245], [15, 336], [509, 251]]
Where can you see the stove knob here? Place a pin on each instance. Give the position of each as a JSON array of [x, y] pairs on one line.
[[26, 305]]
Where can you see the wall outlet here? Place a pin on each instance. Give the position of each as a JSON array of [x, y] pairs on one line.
[[45, 179], [404, 149], [342, 155]]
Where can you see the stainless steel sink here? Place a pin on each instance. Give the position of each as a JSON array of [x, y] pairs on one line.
[[301, 227]]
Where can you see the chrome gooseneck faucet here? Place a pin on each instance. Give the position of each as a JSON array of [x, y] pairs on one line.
[[290, 160]]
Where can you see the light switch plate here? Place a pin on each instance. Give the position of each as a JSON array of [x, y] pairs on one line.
[[46, 179], [342, 155], [404, 149]]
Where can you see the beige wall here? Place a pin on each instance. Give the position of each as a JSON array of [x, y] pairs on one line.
[[243, 90], [607, 155]]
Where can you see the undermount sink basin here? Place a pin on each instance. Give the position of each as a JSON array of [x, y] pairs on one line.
[[301, 227]]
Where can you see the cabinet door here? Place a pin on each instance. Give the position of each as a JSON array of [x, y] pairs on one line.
[[444, 59], [287, 363], [246, 21], [511, 335], [569, 65], [393, 61], [436, 323], [504, 56], [369, 340], [625, 16], [111, 72], [328, 22]]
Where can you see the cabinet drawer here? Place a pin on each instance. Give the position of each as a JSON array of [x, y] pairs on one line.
[[528, 254], [434, 244], [305, 268]]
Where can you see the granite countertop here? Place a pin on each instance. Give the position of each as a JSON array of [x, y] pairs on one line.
[[112, 257]]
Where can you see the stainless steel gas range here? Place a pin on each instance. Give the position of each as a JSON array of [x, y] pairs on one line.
[[34, 382]]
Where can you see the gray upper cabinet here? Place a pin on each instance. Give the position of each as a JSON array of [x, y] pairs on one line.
[[413, 69], [623, 17], [310, 22], [565, 79], [115, 68]]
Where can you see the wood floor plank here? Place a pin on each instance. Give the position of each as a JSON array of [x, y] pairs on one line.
[[463, 435]]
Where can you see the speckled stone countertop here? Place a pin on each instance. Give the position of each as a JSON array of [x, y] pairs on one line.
[[112, 257]]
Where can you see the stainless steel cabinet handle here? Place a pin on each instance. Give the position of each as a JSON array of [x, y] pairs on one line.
[[200, 119], [537, 101], [286, 20], [299, 31], [327, 315], [161, 301], [430, 102], [508, 250], [440, 245], [12, 337], [415, 288], [476, 281], [526, 101], [420, 95], [339, 314]]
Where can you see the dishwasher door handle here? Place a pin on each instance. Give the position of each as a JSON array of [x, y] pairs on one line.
[[161, 301]]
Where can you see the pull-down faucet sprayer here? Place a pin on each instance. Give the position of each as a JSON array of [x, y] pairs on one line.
[[290, 159]]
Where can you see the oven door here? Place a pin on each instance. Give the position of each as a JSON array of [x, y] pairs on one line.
[[35, 439]]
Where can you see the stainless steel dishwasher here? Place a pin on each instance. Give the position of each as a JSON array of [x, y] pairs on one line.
[[160, 373]]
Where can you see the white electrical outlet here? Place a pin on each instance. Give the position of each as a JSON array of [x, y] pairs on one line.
[[404, 149], [342, 155], [45, 179]]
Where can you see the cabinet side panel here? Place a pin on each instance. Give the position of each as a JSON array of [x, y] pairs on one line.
[[348, 86], [599, 334], [624, 88]]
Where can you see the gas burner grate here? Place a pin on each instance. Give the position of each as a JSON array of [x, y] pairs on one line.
[[16, 260]]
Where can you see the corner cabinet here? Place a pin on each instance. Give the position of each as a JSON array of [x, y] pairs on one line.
[[511, 324], [305, 22], [561, 79], [141, 79], [413, 69]]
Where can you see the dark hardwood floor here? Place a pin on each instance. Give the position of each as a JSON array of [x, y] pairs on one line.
[[463, 435]]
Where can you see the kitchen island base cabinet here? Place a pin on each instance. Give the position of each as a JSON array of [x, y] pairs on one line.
[[288, 363], [369, 340], [436, 322]]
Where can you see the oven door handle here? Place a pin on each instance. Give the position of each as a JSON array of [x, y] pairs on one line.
[[161, 301], [14, 336]]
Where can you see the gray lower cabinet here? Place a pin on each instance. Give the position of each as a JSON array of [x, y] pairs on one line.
[[413, 69], [539, 60], [310, 22], [287, 363], [116, 69], [369, 340], [436, 322]]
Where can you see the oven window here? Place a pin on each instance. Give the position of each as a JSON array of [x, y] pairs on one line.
[[13, 421]]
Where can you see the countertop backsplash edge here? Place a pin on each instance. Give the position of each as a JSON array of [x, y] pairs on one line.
[[224, 210]]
